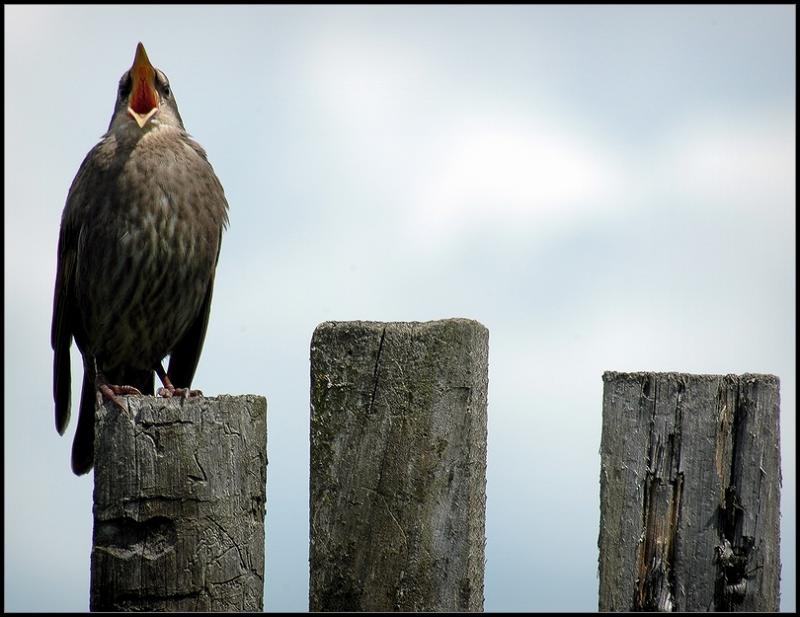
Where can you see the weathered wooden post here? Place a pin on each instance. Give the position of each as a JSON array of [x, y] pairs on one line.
[[690, 492], [179, 503], [398, 466]]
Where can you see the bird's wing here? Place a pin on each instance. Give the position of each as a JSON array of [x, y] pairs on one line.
[[64, 318], [61, 334], [186, 353], [62, 328]]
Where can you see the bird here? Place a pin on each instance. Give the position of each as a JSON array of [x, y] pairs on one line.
[[138, 248]]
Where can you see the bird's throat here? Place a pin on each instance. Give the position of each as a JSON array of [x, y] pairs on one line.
[[141, 118]]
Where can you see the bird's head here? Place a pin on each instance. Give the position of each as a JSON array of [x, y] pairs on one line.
[[144, 98]]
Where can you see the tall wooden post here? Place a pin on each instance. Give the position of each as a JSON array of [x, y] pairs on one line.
[[690, 492], [179, 503], [398, 466]]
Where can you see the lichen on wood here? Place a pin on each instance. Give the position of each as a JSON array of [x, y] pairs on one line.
[[398, 465]]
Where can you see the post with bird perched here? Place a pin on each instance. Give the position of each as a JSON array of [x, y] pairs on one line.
[[398, 466], [179, 479], [179, 503], [690, 493]]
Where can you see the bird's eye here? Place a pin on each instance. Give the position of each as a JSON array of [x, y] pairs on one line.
[[125, 85], [163, 82]]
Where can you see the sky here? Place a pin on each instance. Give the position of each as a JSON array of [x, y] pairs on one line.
[[603, 187]]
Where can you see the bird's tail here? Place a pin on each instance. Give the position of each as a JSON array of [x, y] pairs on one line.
[[83, 444]]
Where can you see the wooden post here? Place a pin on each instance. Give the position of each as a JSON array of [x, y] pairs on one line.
[[179, 503], [690, 492], [398, 466]]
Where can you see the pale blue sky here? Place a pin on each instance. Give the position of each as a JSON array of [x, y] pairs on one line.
[[605, 188]]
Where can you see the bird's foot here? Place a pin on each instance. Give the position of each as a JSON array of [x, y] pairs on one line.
[[170, 391], [111, 392], [122, 390]]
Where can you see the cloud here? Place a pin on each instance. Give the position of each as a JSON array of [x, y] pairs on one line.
[[508, 173], [737, 161]]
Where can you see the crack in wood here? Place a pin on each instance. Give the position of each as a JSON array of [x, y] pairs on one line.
[[733, 554], [690, 492], [662, 493], [375, 373]]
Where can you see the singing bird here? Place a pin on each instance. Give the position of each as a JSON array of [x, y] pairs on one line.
[[137, 252]]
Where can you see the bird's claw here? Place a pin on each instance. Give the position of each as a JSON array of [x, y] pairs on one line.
[[173, 392], [112, 393], [169, 390]]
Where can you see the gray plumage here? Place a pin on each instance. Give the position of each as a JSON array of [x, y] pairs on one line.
[[139, 243]]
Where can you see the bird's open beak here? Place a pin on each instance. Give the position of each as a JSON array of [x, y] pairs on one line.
[[143, 102]]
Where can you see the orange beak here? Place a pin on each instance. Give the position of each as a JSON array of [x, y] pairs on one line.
[[143, 103]]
